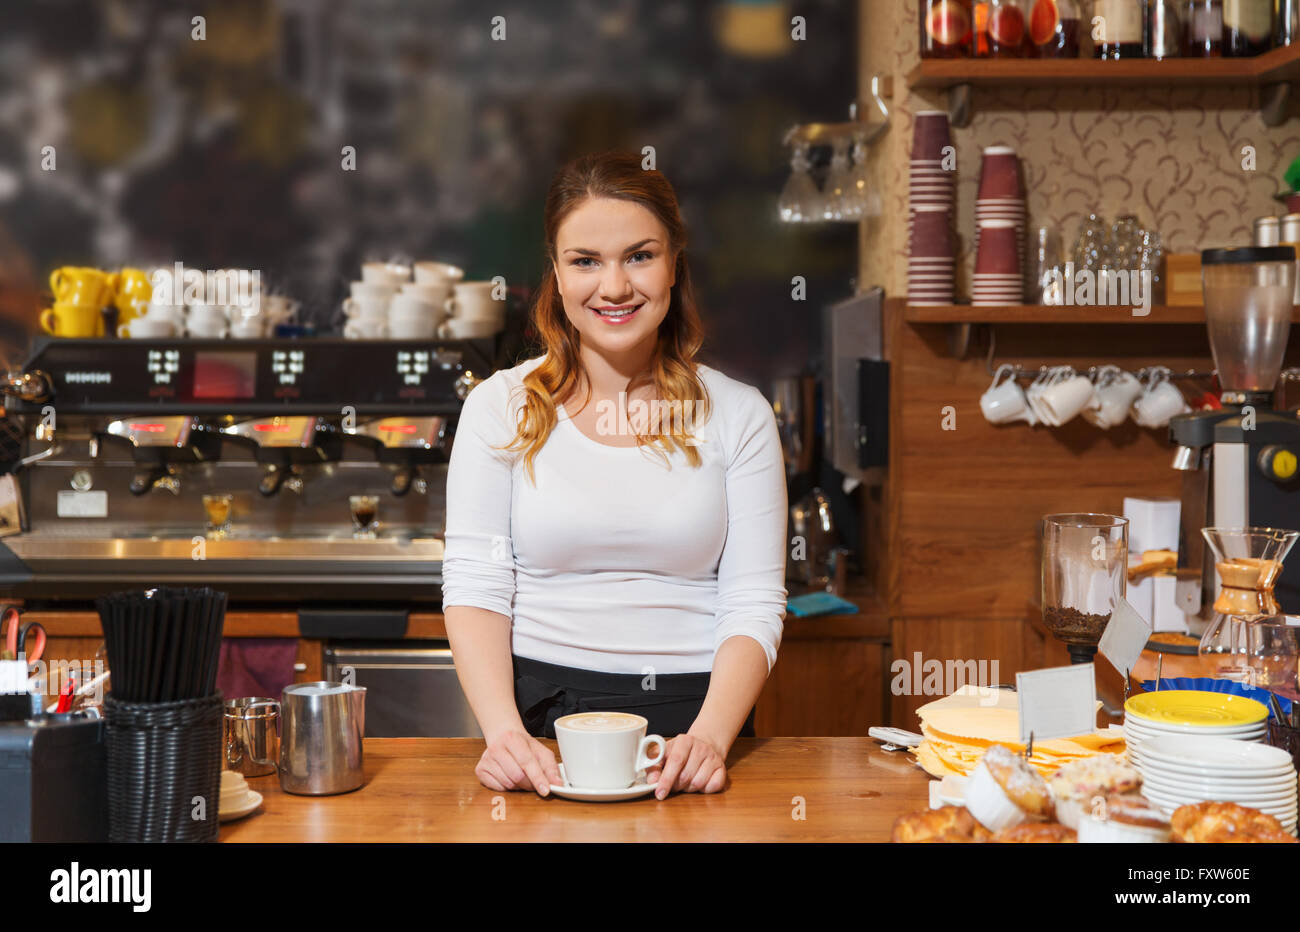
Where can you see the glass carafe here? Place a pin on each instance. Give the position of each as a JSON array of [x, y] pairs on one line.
[[1249, 562], [1085, 567]]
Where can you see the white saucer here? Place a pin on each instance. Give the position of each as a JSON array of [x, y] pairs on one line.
[[581, 794], [251, 802]]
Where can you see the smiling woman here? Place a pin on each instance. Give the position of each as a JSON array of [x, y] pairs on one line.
[[597, 563]]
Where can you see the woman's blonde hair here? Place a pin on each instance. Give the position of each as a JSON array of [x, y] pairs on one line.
[[619, 175]]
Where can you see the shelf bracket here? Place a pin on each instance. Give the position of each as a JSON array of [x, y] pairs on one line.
[[959, 105], [1274, 100], [959, 340]]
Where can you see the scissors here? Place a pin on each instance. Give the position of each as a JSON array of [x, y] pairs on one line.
[[16, 633]]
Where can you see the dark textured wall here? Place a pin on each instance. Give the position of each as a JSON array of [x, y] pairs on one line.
[[226, 152]]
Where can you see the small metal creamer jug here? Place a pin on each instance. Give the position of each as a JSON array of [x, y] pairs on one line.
[[251, 729], [321, 730]]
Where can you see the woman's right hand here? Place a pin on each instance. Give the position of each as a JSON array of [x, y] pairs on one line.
[[515, 760]]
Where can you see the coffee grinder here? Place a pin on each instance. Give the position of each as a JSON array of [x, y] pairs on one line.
[[1239, 462]]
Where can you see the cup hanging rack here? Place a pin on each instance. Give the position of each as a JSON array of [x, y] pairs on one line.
[[1029, 372], [846, 194], [858, 128]]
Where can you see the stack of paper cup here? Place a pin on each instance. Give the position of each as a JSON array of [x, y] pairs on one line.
[[1001, 198], [997, 278], [930, 215]]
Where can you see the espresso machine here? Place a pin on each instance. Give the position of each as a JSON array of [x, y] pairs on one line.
[[126, 444], [1239, 462]]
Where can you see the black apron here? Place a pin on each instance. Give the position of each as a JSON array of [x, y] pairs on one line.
[[545, 691]]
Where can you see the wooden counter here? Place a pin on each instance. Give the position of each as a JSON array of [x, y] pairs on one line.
[[424, 789]]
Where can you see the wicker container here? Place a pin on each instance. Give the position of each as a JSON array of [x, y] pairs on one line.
[[1286, 737], [161, 756]]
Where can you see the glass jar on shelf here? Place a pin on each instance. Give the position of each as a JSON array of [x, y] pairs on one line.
[[1247, 27], [1286, 22], [1054, 28], [945, 28], [980, 30], [1203, 29], [1006, 29], [1120, 28], [1164, 28]]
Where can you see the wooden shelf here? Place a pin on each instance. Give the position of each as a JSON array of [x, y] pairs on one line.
[[1278, 65], [1272, 72], [1040, 314]]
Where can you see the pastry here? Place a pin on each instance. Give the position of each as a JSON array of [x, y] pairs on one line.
[[1036, 833], [1123, 820], [1004, 791], [947, 824], [1075, 785], [1219, 823]]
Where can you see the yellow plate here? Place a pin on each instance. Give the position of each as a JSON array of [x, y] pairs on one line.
[[1192, 707]]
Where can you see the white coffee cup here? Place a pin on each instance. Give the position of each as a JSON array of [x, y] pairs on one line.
[[458, 329], [1066, 398], [1046, 376], [207, 322], [411, 327], [1113, 395], [1004, 401], [155, 327], [431, 293], [473, 300], [1160, 400], [373, 291], [411, 305], [366, 307], [248, 328], [173, 313], [384, 273], [366, 328], [605, 750], [434, 273]]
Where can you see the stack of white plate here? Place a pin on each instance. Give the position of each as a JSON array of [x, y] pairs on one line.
[[1186, 712], [1178, 770]]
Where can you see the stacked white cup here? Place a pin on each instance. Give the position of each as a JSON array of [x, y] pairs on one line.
[[475, 312], [159, 321], [367, 309]]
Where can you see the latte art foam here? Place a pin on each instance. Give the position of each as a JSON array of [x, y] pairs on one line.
[[600, 721]]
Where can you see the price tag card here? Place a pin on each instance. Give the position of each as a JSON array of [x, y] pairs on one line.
[[1125, 637], [1057, 703]]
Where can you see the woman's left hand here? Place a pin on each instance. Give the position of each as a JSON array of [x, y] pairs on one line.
[[691, 764]]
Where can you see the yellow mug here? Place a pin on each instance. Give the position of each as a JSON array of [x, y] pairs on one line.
[[83, 286], [132, 290], [72, 320]]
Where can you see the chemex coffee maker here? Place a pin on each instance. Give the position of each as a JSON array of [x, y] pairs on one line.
[[303, 470], [1239, 462]]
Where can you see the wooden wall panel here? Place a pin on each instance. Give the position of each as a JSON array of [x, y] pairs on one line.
[[1000, 640], [824, 688], [964, 505]]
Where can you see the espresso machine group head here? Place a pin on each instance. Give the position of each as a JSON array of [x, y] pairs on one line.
[[405, 444], [159, 444], [284, 444], [1239, 462]]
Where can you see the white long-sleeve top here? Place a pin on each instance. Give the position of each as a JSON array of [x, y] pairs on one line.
[[614, 562]]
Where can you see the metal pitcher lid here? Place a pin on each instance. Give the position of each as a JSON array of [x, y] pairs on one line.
[[321, 688]]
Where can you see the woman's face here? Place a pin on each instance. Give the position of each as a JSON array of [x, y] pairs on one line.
[[612, 255]]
